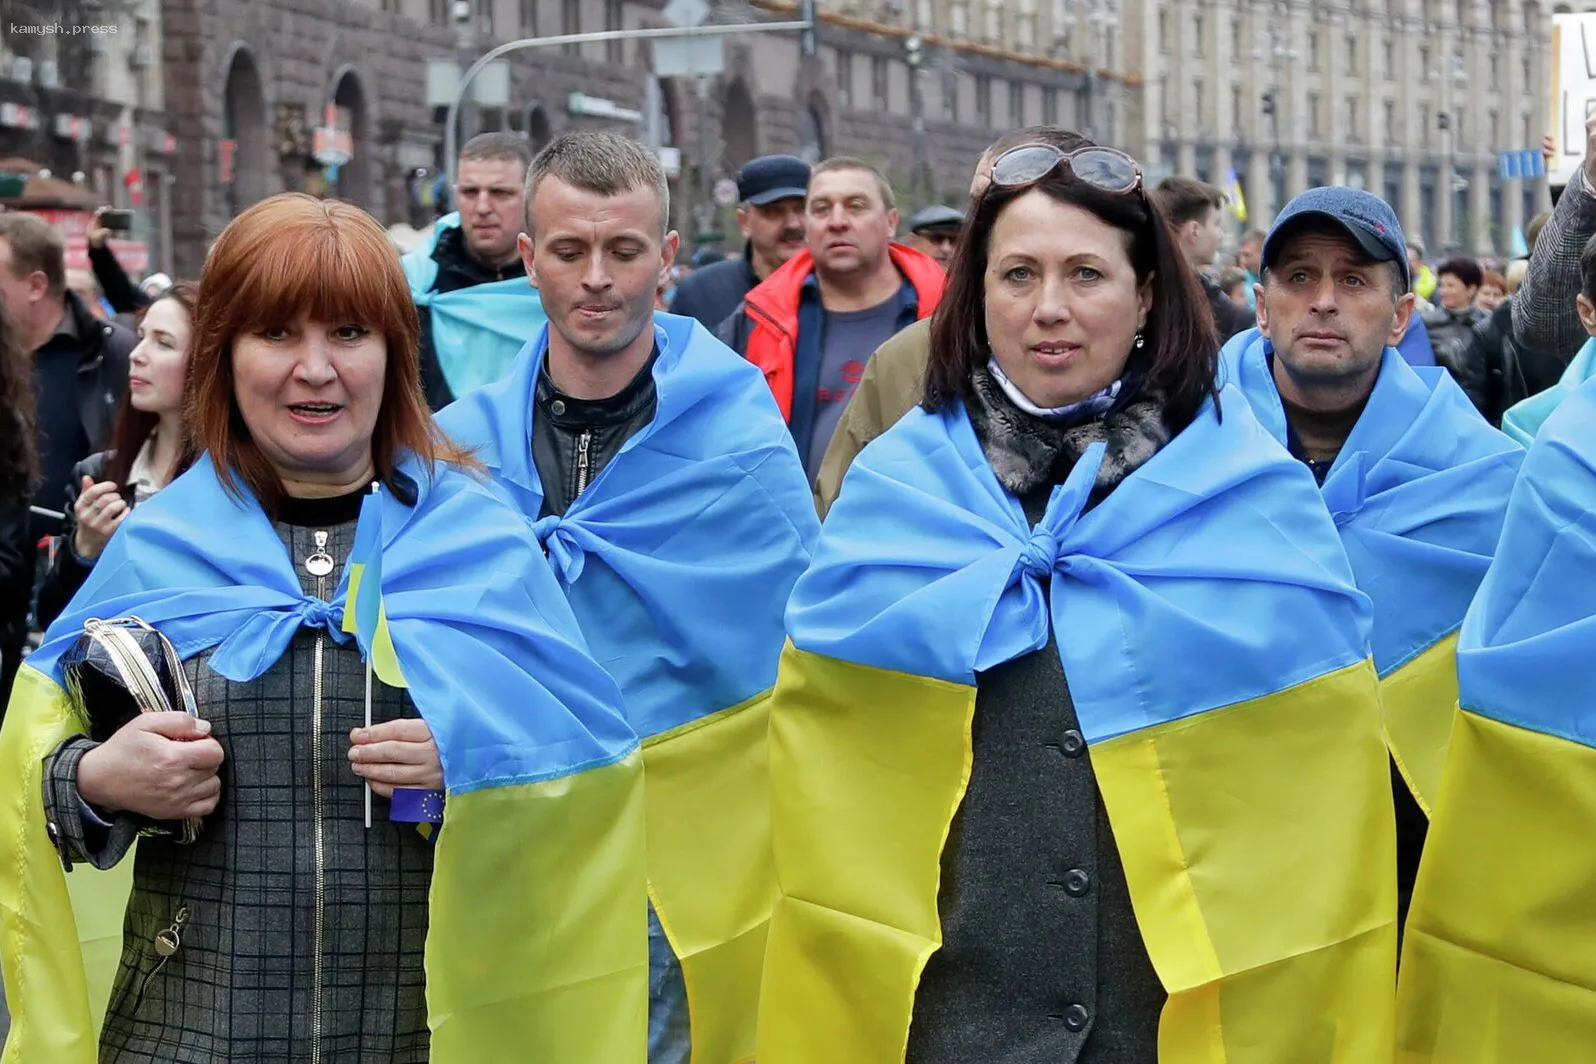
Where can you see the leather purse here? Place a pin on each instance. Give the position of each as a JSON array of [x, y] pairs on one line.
[[120, 668]]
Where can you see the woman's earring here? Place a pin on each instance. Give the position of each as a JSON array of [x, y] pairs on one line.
[[1140, 343]]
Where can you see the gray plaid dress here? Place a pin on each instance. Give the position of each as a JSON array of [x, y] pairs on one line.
[[255, 979]]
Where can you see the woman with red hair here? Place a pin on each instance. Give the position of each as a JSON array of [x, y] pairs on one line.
[[325, 536]]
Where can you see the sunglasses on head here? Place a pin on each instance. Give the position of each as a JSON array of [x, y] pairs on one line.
[[1105, 169]]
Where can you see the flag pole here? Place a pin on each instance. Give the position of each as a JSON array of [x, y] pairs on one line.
[[370, 646]]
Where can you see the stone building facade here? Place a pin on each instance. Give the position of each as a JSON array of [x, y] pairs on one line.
[[921, 93], [1411, 99]]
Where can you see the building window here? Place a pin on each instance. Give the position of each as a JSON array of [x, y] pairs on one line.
[[1197, 33], [1016, 103], [1197, 102], [878, 82], [614, 51], [1496, 71], [994, 21], [1236, 50], [571, 22], [1493, 127], [1390, 120], [1236, 106], [1529, 70], [1313, 49], [439, 10], [1163, 30], [1390, 58], [925, 15], [983, 100], [1352, 53], [1424, 60], [845, 77], [1050, 106], [1353, 133], [1425, 125], [959, 18], [950, 96], [1313, 114], [529, 18], [484, 24]]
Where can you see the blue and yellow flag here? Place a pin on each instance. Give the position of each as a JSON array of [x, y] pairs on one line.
[[678, 560], [1499, 960], [1215, 647], [1238, 200], [476, 331], [537, 931], [1417, 493], [1525, 418]]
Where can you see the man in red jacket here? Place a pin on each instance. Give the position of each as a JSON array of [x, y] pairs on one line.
[[812, 324]]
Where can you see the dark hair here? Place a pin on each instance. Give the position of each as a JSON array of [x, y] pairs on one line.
[[1182, 347], [133, 427], [285, 257], [19, 459], [498, 147], [1587, 270], [1185, 199], [1464, 269]]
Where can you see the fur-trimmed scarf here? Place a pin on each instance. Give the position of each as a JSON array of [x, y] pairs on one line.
[[1028, 452]]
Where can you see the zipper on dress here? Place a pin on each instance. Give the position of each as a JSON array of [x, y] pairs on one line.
[[320, 565], [584, 462]]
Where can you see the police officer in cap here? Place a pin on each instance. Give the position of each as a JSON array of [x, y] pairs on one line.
[[771, 216], [934, 231]]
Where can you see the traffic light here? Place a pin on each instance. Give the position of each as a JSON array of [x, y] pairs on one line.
[[1268, 103]]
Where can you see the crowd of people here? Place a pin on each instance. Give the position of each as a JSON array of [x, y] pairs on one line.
[[1032, 638]]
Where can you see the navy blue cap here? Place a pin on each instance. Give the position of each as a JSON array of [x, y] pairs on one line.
[[1365, 217], [936, 217], [773, 177]]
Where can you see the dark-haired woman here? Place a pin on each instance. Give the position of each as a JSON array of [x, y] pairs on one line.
[[19, 468], [146, 444], [1076, 751]]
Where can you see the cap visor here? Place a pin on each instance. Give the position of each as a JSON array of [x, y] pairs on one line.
[[1372, 245], [772, 195]]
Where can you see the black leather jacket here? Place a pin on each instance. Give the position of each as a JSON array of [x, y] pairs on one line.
[[574, 439], [1497, 371], [456, 270]]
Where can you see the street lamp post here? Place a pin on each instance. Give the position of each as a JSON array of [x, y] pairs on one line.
[[914, 55], [595, 37]]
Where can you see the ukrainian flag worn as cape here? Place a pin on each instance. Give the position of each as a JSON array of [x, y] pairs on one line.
[[1216, 650], [1417, 493], [1524, 419], [476, 331], [1499, 959], [678, 560], [537, 933]]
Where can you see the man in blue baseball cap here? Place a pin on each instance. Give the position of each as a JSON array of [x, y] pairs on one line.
[[1417, 481], [771, 216]]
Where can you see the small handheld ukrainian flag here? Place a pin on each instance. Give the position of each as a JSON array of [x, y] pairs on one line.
[[1238, 202]]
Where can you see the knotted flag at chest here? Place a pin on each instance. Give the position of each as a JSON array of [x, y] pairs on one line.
[[536, 921], [1215, 647], [1417, 492], [678, 560]]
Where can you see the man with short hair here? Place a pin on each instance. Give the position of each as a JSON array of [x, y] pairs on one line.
[[79, 361], [1416, 480], [934, 231], [470, 288], [812, 325], [771, 217], [1248, 256], [1196, 214], [660, 478]]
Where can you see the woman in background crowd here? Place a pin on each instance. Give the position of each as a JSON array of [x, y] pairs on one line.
[[146, 443]]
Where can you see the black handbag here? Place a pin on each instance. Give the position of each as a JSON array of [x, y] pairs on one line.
[[120, 668]]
